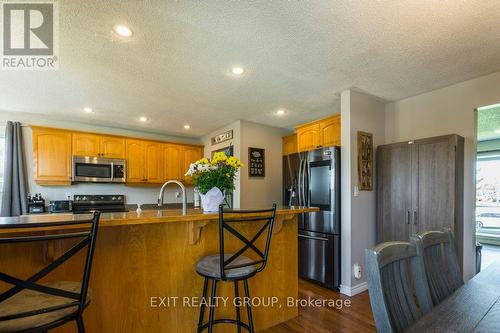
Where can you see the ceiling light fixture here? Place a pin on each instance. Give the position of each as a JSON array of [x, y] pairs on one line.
[[122, 30], [280, 112], [187, 126], [237, 70], [143, 119], [88, 109]]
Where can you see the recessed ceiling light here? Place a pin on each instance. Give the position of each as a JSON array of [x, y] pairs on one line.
[[88, 109], [143, 119], [122, 30], [497, 131], [280, 112], [237, 70], [187, 126]]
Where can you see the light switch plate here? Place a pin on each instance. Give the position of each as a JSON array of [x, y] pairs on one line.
[[356, 191]]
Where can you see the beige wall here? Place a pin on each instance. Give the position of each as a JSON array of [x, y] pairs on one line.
[[359, 112], [259, 192], [445, 111], [253, 192], [209, 148]]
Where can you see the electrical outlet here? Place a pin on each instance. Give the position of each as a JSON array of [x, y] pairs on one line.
[[358, 271], [356, 191], [68, 195]]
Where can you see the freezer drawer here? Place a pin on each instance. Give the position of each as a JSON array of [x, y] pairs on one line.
[[319, 258]]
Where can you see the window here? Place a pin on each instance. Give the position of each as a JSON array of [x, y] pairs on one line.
[[488, 193]]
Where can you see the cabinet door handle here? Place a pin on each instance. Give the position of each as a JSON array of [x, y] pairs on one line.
[[415, 217]]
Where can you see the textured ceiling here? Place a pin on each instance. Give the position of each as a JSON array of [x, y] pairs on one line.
[[297, 55], [488, 123]]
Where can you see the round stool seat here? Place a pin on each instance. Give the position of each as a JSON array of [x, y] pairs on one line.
[[209, 266]]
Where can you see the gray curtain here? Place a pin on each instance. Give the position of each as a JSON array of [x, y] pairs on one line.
[[14, 186]]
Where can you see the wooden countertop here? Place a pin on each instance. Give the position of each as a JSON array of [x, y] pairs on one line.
[[131, 218]]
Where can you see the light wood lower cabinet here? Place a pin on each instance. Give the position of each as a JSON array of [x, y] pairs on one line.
[[51, 156]]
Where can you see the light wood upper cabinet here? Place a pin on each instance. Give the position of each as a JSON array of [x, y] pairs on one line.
[[135, 161], [172, 162], [308, 137], [153, 162], [85, 144], [330, 131], [289, 144], [190, 154], [112, 147], [51, 156], [321, 133], [148, 161]]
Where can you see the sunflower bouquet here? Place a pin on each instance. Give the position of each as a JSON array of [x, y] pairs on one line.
[[220, 172]]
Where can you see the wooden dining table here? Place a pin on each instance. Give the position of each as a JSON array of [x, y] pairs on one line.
[[474, 307]]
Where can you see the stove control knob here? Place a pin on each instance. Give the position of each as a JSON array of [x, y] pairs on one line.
[[84, 198], [119, 198], [77, 198], [113, 198]]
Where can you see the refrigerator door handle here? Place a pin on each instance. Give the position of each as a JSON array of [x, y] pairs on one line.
[[315, 238], [308, 175], [299, 182]]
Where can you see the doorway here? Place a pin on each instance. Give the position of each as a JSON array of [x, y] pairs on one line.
[[488, 183]]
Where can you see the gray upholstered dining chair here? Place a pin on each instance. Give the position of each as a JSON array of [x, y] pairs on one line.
[[395, 275], [441, 267]]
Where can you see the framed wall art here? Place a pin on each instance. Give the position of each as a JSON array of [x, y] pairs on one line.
[[365, 161]]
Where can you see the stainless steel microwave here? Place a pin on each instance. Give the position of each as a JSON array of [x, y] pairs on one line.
[[98, 170]]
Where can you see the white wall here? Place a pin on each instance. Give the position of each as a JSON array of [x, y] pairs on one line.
[[134, 194], [445, 111], [257, 192], [359, 112]]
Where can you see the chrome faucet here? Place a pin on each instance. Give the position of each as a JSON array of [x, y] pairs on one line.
[[184, 199]]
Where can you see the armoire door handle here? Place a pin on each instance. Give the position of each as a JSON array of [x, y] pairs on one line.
[[415, 217]]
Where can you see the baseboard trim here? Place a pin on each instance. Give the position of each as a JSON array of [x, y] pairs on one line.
[[351, 291]]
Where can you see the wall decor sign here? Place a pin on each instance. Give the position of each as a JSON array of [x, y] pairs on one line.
[[365, 161], [222, 137], [256, 162]]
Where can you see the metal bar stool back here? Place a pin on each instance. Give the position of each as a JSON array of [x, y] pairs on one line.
[[235, 267], [30, 306]]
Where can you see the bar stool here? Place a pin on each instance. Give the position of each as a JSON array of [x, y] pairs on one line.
[[29, 306], [234, 267]]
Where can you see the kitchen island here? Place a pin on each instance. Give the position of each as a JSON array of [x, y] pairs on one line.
[[143, 275]]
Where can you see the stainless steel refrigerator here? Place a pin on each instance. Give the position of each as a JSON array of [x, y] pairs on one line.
[[313, 179]]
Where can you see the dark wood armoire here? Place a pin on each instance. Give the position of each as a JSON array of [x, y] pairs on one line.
[[420, 187]]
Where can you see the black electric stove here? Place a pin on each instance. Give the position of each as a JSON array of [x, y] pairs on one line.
[[83, 204]]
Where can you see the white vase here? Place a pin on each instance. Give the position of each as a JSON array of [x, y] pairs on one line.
[[211, 200]]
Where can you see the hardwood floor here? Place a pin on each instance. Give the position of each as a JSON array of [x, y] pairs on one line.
[[355, 318]]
